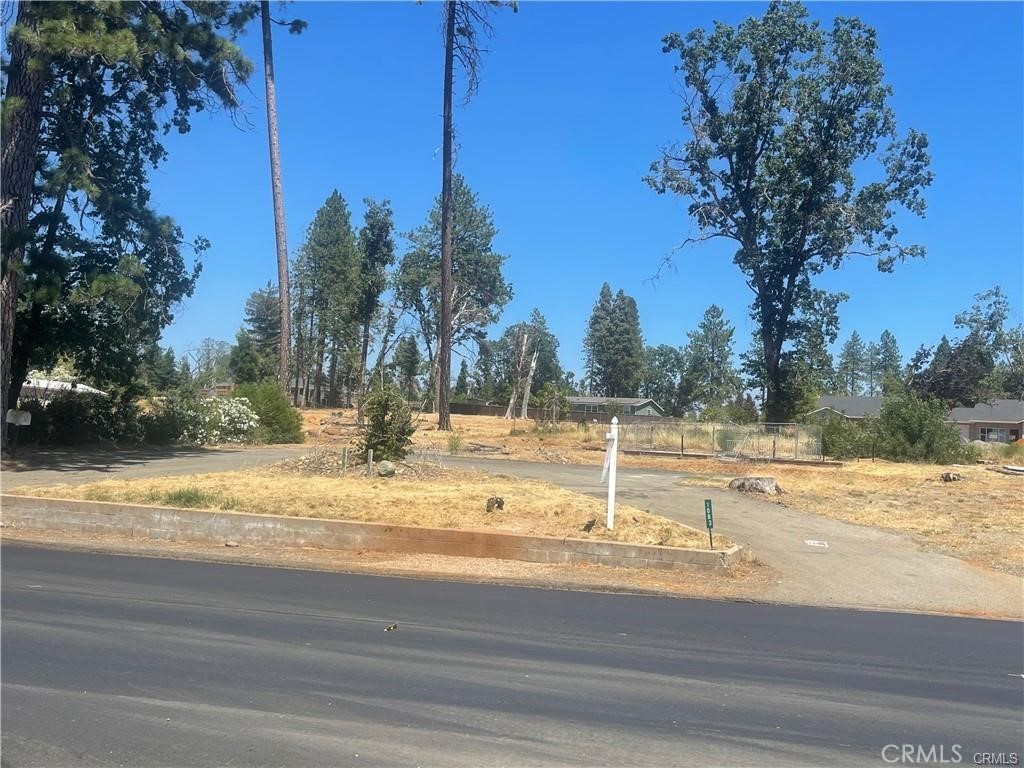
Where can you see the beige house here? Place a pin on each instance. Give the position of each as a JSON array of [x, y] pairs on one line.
[[1001, 421]]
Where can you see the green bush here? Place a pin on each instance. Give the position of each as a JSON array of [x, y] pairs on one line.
[[911, 428], [69, 419], [279, 421], [844, 439], [387, 426], [160, 424], [454, 443]]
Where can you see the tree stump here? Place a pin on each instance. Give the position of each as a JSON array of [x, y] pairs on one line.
[[766, 485]]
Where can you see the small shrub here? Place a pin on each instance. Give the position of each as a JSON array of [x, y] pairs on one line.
[[454, 443], [387, 427], [1011, 452], [189, 498], [279, 421], [843, 439], [160, 424], [214, 420]]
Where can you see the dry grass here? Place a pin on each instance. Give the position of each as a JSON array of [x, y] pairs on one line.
[[980, 519], [447, 499]]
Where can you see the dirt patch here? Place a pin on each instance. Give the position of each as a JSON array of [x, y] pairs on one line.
[[436, 498]]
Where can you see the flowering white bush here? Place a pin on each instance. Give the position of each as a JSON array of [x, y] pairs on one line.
[[214, 420]]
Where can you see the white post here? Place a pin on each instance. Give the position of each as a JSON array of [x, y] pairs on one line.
[[609, 469]]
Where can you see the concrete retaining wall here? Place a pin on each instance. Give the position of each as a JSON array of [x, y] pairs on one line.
[[31, 513]]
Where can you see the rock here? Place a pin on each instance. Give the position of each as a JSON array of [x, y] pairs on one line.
[[495, 502], [230, 543], [386, 469], [766, 485], [951, 477]]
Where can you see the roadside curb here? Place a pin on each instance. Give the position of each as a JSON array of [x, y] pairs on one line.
[[136, 520]]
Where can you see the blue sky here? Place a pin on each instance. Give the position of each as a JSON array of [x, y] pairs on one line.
[[575, 101]]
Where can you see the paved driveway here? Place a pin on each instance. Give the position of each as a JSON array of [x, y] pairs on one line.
[[860, 566]]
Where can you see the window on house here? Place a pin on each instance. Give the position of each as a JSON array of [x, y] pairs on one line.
[[995, 434]]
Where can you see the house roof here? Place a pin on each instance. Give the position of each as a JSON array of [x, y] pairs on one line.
[[42, 388], [855, 407], [1008, 411], [586, 400], [998, 411]]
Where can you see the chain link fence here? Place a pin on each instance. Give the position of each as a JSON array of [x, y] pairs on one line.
[[761, 442]]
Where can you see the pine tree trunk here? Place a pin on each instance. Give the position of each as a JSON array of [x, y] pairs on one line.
[[275, 181], [444, 350], [362, 356], [529, 384], [320, 352], [23, 111], [332, 377], [299, 350]]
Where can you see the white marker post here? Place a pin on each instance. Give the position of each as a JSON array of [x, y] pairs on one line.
[[608, 473]]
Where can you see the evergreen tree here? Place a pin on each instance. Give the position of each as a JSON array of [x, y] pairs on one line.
[[660, 381], [407, 360], [852, 365], [614, 345], [872, 369], [889, 361], [479, 289], [377, 253], [262, 319], [327, 273], [247, 363], [708, 361], [597, 341], [461, 389]]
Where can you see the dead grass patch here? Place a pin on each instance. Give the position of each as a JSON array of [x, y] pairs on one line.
[[447, 499]]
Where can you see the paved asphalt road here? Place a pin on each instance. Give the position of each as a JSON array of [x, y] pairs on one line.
[[113, 660]]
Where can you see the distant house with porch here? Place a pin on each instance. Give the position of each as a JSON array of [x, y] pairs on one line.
[[1001, 421], [628, 406]]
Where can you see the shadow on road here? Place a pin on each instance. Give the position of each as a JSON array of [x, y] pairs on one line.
[[96, 459]]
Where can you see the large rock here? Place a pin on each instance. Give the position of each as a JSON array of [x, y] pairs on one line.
[[765, 485], [386, 469]]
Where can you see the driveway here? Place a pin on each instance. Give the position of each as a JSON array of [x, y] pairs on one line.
[[820, 561], [75, 466]]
